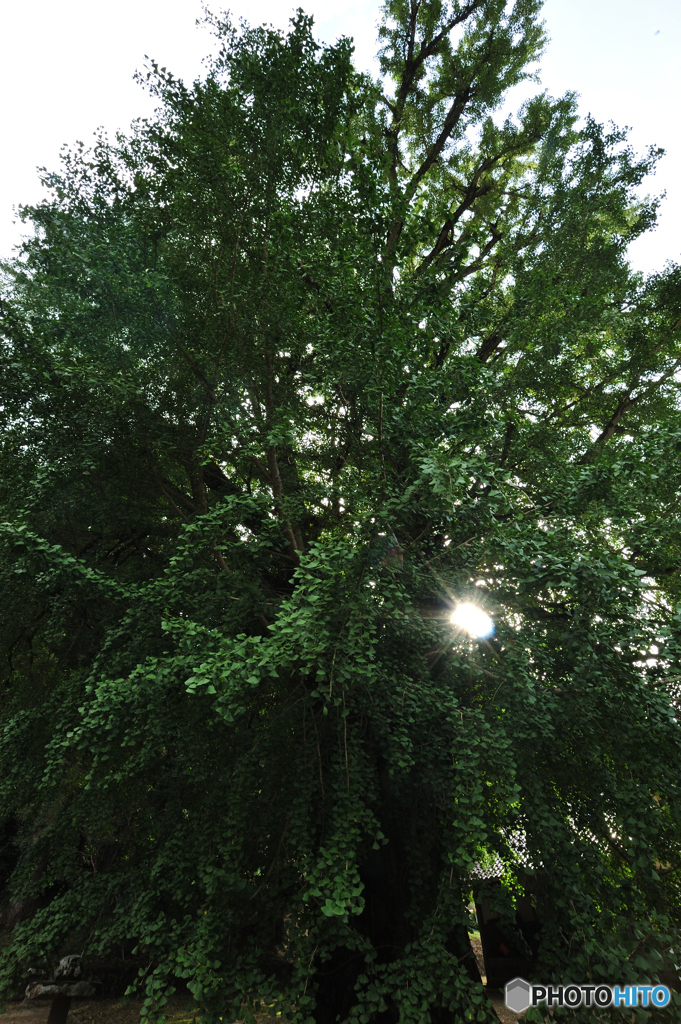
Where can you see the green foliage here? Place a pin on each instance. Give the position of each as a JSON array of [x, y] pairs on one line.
[[287, 373]]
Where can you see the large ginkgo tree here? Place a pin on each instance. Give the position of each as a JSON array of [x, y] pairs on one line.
[[290, 374]]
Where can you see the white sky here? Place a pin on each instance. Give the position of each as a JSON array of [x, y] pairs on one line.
[[66, 67]]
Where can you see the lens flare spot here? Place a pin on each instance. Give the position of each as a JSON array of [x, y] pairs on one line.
[[473, 620]]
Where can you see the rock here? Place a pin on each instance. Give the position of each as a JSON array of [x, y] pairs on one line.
[[48, 990], [69, 968]]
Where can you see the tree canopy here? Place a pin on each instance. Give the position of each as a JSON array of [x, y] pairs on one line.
[[288, 373]]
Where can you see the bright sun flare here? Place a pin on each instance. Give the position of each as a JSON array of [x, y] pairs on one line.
[[473, 620]]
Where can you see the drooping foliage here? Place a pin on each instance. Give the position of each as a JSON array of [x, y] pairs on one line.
[[287, 374]]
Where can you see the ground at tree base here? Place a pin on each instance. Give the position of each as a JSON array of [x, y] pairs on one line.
[[180, 1010], [112, 1011]]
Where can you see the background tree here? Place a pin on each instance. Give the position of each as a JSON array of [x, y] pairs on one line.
[[287, 374]]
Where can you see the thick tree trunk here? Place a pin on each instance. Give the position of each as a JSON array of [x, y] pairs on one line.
[[384, 921]]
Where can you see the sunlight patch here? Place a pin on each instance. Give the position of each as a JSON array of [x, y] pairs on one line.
[[473, 620]]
